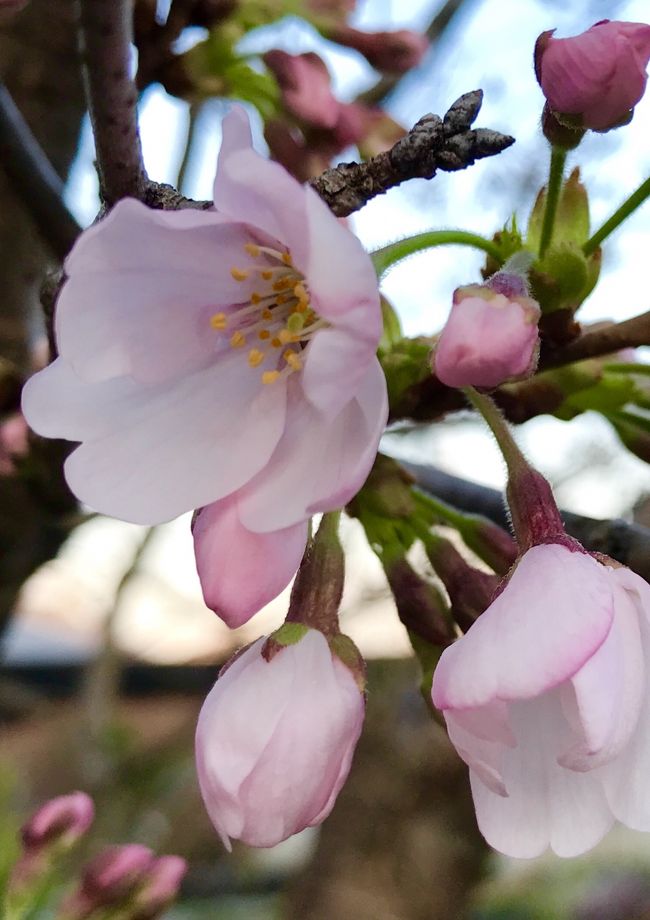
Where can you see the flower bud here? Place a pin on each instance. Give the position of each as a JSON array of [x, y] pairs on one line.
[[594, 80], [390, 52], [491, 335], [62, 820], [305, 84], [112, 877], [276, 735], [161, 887]]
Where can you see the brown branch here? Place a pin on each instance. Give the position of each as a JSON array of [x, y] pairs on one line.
[[604, 341], [434, 143], [627, 543], [34, 179], [105, 36]]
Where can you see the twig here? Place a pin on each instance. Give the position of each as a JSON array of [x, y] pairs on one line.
[[627, 543], [438, 25], [105, 35], [433, 143], [34, 179], [604, 341]]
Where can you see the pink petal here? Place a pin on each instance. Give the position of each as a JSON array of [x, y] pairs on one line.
[[241, 571], [342, 280], [604, 698], [336, 361], [547, 805], [182, 447], [553, 614], [258, 191], [479, 736], [143, 285], [319, 464]]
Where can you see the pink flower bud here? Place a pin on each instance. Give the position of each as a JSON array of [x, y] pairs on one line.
[[491, 335], [61, 820], [596, 77], [113, 876], [391, 52], [305, 83], [275, 739], [161, 887]]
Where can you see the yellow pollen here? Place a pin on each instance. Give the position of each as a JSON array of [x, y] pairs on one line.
[[267, 274], [255, 357], [286, 258], [302, 306], [285, 336], [255, 297], [267, 314], [238, 274], [282, 284], [218, 321], [270, 376], [281, 298], [293, 361], [275, 342], [264, 334], [300, 292], [252, 250], [237, 340]]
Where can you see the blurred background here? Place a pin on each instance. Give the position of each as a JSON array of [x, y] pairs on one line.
[[108, 649]]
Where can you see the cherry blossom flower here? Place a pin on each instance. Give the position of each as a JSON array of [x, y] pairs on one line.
[[491, 336], [275, 740], [596, 77], [62, 820], [546, 698], [305, 83], [204, 351]]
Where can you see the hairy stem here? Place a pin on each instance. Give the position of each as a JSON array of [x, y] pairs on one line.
[[558, 159], [630, 205], [389, 255]]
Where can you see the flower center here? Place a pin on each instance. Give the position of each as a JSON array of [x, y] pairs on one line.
[[277, 322]]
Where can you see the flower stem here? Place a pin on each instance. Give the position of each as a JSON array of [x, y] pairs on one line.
[[318, 587], [558, 159], [387, 256], [628, 207], [497, 424]]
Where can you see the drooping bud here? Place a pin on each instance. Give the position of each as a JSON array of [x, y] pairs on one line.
[[62, 821], [160, 889], [594, 80], [109, 880], [304, 81], [390, 52], [470, 590], [491, 334], [276, 736]]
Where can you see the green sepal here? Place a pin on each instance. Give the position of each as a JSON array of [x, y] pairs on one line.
[[428, 657], [405, 365], [563, 278], [289, 634], [349, 655], [507, 242], [392, 328], [571, 218]]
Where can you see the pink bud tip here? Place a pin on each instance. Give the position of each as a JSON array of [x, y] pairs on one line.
[[391, 52], [62, 819], [161, 887], [305, 84], [489, 338], [596, 77], [116, 872]]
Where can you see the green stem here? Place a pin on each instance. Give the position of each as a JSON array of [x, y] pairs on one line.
[[558, 159], [497, 424], [628, 207], [387, 256]]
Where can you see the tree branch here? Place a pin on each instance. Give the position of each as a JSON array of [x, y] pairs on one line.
[[105, 36], [34, 179], [627, 543], [604, 341], [433, 143]]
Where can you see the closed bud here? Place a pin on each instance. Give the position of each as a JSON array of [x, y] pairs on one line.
[[109, 880], [491, 335], [594, 80], [305, 85], [161, 887], [390, 52]]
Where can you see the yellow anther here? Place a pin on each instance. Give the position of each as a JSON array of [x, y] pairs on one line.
[[267, 314], [264, 334], [252, 250], [275, 342], [285, 336], [255, 357], [302, 306], [286, 258], [281, 298], [218, 321], [300, 292], [255, 297], [293, 360], [267, 274], [270, 376], [237, 339], [238, 274], [281, 284]]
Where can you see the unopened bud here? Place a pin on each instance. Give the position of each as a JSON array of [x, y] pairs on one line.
[[470, 590], [160, 889], [109, 880], [390, 52]]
